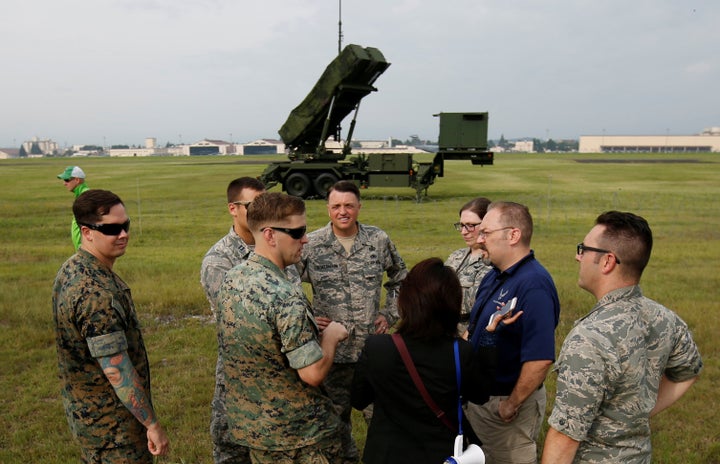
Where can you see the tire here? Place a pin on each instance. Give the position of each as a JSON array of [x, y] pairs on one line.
[[323, 182], [298, 184]]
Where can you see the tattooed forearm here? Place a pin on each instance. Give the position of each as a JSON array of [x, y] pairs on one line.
[[127, 384]]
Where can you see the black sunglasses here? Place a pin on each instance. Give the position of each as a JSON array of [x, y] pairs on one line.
[[582, 248], [297, 233], [108, 229]]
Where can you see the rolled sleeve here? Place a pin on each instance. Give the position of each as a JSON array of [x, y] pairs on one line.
[[305, 355], [107, 345]]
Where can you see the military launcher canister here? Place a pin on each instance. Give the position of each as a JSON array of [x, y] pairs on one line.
[[312, 167]]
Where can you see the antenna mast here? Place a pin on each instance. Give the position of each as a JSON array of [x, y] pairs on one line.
[[340, 34]]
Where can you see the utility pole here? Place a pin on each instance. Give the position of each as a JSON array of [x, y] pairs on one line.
[[340, 34]]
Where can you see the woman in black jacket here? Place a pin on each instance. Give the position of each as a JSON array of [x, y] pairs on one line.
[[403, 427]]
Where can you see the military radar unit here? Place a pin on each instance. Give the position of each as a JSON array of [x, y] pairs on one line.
[[312, 168]]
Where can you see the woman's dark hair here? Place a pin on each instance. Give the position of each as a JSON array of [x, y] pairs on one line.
[[429, 301], [477, 205]]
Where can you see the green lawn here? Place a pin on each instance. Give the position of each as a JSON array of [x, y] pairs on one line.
[[178, 211]]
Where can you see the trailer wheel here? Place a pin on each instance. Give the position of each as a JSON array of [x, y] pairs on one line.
[[323, 182], [298, 184]]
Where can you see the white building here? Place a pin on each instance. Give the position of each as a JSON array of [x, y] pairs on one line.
[[524, 146], [45, 147], [8, 153], [707, 141]]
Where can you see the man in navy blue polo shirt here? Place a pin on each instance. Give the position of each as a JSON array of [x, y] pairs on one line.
[[509, 423]]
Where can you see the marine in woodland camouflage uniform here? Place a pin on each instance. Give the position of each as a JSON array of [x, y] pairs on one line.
[[274, 357], [94, 316], [267, 333], [347, 282], [227, 253], [95, 321], [608, 375], [625, 361]]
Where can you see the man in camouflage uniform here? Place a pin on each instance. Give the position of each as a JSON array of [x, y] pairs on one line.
[[274, 356], [625, 361], [231, 250], [102, 360], [345, 262]]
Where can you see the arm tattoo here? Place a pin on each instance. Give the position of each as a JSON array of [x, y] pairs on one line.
[[122, 375]]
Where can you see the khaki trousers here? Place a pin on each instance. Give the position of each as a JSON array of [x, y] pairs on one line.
[[513, 442]]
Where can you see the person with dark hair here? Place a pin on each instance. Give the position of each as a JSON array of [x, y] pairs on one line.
[[102, 360], [628, 359], [509, 423], [470, 263], [345, 262], [73, 178], [403, 427], [231, 250], [273, 355]]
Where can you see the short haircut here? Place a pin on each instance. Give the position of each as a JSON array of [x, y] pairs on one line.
[[241, 183], [629, 236], [345, 186], [92, 205], [271, 208], [477, 205], [515, 215], [429, 301]]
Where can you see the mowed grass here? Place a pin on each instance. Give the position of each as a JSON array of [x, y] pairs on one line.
[[177, 206]]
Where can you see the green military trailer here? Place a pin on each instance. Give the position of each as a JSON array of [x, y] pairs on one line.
[[312, 168]]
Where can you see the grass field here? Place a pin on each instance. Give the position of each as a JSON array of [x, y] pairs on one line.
[[178, 211]]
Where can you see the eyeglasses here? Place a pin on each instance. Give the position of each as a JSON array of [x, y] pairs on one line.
[[582, 248], [296, 233], [470, 227], [242, 203], [108, 229], [68, 180], [485, 233]]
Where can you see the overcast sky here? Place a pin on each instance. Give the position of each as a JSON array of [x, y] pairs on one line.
[[118, 71]]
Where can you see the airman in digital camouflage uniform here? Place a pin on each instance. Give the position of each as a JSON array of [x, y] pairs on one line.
[[345, 262], [231, 250], [470, 263], [274, 356], [102, 360], [625, 361]]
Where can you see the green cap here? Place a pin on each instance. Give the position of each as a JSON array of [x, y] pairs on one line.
[[72, 172]]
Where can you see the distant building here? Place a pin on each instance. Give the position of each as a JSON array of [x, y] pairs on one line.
[[8, 153], [524, 146], [261, 147], [212, 147], [707, 141], [36, 148]]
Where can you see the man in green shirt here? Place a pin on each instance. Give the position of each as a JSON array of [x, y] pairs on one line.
[[74, 179]]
